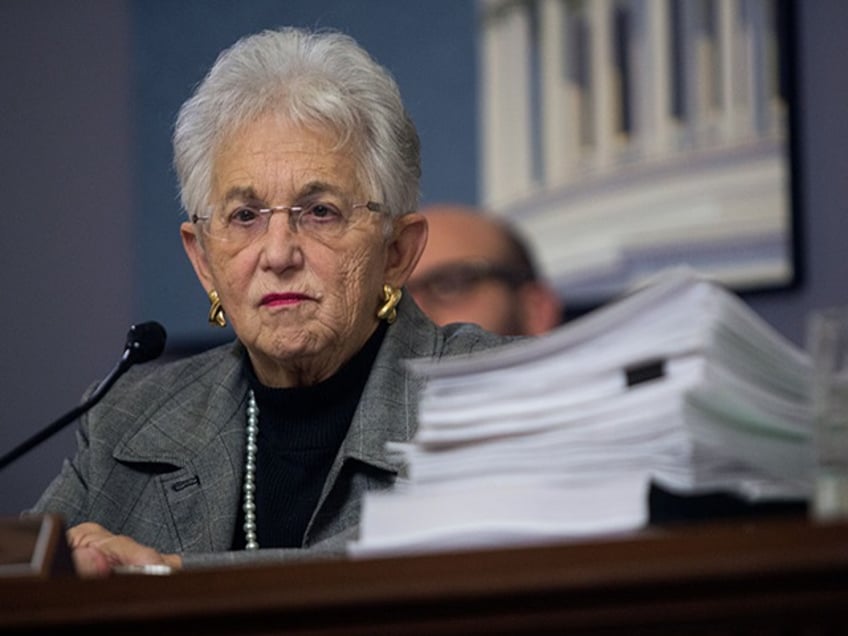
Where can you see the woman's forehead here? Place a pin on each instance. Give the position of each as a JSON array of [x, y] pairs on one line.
[[270, 157]]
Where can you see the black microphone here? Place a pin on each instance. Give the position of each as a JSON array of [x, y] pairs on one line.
[[145, 341]]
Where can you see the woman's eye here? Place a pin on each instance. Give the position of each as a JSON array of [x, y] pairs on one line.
[[322, 212], [243, 215]]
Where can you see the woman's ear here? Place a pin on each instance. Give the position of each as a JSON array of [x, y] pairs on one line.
[[196, 254], [405, 248]]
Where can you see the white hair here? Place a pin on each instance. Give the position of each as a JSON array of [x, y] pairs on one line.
[[321, 80]]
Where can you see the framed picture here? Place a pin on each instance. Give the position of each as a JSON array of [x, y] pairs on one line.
[[626, 136]]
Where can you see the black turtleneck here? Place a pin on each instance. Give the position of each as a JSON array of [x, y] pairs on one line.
[[300, 432]]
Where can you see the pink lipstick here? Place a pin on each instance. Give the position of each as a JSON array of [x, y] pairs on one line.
[[279, 300]]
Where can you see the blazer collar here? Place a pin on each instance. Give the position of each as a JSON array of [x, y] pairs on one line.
[[388, 409]]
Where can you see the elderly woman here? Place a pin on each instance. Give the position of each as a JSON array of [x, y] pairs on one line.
[[299, 169]]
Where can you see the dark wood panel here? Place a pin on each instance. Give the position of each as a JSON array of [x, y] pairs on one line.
[[769, 577]]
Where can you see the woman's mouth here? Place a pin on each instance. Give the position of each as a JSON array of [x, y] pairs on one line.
[[282, 300]]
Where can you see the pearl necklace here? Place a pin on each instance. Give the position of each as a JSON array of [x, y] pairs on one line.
[[249, 505]]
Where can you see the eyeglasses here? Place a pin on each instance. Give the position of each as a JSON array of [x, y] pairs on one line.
[[319, 219], [450, 282]]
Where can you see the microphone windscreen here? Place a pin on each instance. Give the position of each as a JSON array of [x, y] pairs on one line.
[[145, 342]]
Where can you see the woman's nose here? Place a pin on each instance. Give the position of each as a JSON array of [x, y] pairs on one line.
[[281, 243]]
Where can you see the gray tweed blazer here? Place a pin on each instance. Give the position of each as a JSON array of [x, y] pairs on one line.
[[160, 458]]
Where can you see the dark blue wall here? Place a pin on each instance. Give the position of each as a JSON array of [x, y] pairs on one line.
[[88, 236]]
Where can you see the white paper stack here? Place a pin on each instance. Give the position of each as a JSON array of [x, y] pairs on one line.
[[678, 384]]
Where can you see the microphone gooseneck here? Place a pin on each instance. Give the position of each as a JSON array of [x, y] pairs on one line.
[[145, 342]]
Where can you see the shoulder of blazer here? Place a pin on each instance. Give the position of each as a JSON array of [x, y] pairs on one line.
[[172, 397]]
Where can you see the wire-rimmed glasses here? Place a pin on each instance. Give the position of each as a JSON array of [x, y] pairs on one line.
[[244, 224]]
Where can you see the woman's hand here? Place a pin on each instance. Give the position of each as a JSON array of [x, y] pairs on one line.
[[97, 552]]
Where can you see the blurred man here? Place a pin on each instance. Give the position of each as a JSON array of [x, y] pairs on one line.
[[476, 269]]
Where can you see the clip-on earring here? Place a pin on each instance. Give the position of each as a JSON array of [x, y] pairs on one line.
[[216, 311], [391, 297]]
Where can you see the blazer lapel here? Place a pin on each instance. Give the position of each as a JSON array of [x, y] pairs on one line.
[[201, 441]]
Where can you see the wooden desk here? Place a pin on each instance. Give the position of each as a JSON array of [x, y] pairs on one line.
[[768, 577]]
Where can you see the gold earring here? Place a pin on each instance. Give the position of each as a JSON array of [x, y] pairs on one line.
[[216, 311], [391, 297]]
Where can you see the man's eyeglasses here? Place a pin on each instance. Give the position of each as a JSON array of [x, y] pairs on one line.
[[244, 224], [449, 283]]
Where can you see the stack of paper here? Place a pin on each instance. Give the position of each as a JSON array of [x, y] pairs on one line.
[[678, 384]]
